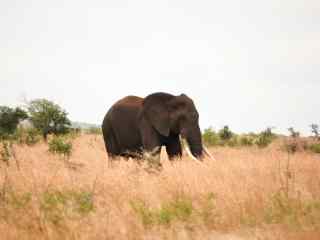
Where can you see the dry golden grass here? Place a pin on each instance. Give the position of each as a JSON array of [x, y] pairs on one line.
[[247, 193]]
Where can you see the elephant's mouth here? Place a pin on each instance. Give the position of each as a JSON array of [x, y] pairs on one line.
[[183, 134]]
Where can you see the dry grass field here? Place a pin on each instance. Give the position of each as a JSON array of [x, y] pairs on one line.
[[247, 193]]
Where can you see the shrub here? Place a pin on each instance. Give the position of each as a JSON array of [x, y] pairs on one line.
[[291, 147], [48, 117], [32, 136], [17, 200], [293, 133], [226, 138], [94, 130], [9, 120], [295, 144], [208, 210], [263, 141], [233, 141], [72, 133], [57, 205], [59, 145], [210, 137], [18, 135], [246, 140], [264, 138], [225, 133], [11, 200], [178, 209], [6, 151], [29, 136], [281, 208], [291, 211], [143, 211], [315, 130], [315, 147]]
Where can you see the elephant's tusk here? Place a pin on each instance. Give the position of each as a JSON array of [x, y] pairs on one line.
[[191, 155], [208, 153]]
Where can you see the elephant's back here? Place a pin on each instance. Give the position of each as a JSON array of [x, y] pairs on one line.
[[129, 101], [124, 108]]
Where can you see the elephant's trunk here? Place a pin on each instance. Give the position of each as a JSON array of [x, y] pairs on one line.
[[195, 142]]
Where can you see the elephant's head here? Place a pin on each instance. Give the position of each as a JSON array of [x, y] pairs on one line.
[[170, 114]]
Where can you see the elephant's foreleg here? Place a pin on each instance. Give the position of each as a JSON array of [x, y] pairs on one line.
[[173, 147]]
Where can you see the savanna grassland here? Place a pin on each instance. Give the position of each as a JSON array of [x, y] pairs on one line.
[[246, 193]]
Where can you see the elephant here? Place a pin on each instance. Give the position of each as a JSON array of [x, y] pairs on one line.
[[135, 125]]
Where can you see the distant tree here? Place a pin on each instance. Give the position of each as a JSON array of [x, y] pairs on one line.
[[293, 133], [210, 137], [9, 119], [48, 117], [268, 132], [225, 133], [315, 130]]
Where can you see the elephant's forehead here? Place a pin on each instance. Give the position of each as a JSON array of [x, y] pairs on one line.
[[186, 102]]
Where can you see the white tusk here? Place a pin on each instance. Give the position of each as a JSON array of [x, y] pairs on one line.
[[191, 155], [208, 153]]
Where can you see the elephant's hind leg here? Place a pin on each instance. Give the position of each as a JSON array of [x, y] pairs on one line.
[[112, 147]]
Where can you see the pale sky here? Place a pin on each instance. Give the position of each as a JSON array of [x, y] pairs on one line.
[[246, 63]]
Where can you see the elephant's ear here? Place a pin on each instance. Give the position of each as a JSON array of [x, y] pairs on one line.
[[156, 112]]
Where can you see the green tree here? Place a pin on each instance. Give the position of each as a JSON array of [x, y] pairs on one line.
[[210, 137], [48, 117], [293, 133], [9, 119], [225, 133], [315, 130], [265, 138]]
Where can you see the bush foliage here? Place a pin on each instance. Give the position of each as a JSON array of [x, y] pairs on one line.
[[225, 134], [315, 130], [6, 151], [94, 130], [9, 120], [48, 117], [58, 205], [225, 137], [210, 137], [179, 209], [59, 145], [315, 147], [28, 136]]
